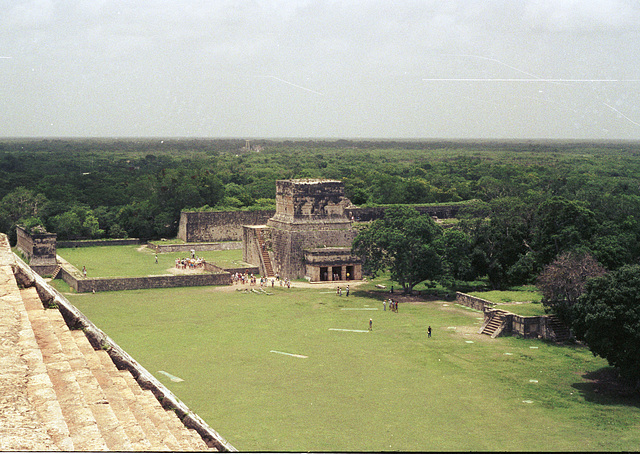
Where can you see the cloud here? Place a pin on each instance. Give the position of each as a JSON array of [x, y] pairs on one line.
[[582, 15]]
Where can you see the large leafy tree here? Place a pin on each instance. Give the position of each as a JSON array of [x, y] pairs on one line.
[[607, 318], [404, 242], [564, 280]]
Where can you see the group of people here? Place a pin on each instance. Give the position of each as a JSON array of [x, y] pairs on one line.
[[251, 279], [339, 291], [393, 305], [190, 263]]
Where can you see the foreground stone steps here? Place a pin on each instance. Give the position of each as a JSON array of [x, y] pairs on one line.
[[34, 383], [86, 403]]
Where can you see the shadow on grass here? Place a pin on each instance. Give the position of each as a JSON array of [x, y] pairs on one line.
[[604, 386]]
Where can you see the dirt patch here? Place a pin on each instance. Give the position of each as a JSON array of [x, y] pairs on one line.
[[181, 271]]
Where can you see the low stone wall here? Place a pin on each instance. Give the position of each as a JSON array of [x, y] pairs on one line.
[[72, 276], [91, 243], [528, 327], [472, 301], [532, 327], [187, 247]]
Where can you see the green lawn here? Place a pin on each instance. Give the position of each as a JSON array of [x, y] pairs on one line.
[[509, 296], [388, 389], [526, 309], [135, 261]]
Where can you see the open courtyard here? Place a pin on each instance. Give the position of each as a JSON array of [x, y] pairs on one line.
[[298, 369]]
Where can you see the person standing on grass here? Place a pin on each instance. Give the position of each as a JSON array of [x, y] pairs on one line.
[[429, 331], [370, 324], [347, 290], [156, 259], [384, 305]]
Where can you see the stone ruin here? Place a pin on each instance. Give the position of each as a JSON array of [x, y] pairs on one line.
[[309, 235]]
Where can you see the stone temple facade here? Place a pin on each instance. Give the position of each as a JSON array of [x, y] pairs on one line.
[[309, 236]]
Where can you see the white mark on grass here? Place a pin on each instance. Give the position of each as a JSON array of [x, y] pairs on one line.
[[527, 401], [445, 305], [509, 354], [173, 378], [469, 342], [359, 309], [288, 354], [533, 381], [350, 330], [533, 347], [451, 327]]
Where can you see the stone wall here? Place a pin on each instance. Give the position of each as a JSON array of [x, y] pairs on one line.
[[91, 243], [472, 301], [250, 248], [532, 327], [214, 226], [39, 248], [223, 246], [289, 247], [208, 226], [74, 279]]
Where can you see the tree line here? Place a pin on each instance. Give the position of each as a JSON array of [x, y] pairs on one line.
[[533, 200]]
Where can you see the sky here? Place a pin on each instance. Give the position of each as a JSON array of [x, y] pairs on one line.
[[397, 69]]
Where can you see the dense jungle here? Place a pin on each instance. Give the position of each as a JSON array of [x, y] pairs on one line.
[[527, 201]]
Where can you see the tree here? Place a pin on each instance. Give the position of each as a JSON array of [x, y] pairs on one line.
[[563, 281], [22, 203], [607, 318], [404, 242], [562, 225]]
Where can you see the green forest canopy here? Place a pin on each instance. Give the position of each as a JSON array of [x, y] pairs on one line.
[[535, 199]]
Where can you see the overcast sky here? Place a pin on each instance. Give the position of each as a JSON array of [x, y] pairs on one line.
[[321, 69]]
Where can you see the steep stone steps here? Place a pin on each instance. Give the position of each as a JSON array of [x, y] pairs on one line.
[[560, 330], [266, 260], [109, 425], [494, 327], [86, 402], [34, 380], [139, 439], [80, 421], [167, 421]]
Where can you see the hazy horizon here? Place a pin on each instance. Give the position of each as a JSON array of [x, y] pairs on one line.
[[321, 70]]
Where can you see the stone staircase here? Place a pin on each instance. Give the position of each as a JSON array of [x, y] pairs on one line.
[[266, 260], [57, 392], [85, 402], [495, 324], [560, 331], [56, 272]]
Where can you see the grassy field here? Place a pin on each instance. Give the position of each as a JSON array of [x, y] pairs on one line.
[[389, 389], [134, 261]]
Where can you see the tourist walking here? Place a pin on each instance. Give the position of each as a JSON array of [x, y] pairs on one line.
[[429, 331], [370, 324], [347, 290]]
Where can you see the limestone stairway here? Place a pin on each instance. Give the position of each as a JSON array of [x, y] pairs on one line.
[[84, 401], [560, 330], [56, 272], [494, 327], [265, 255]]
